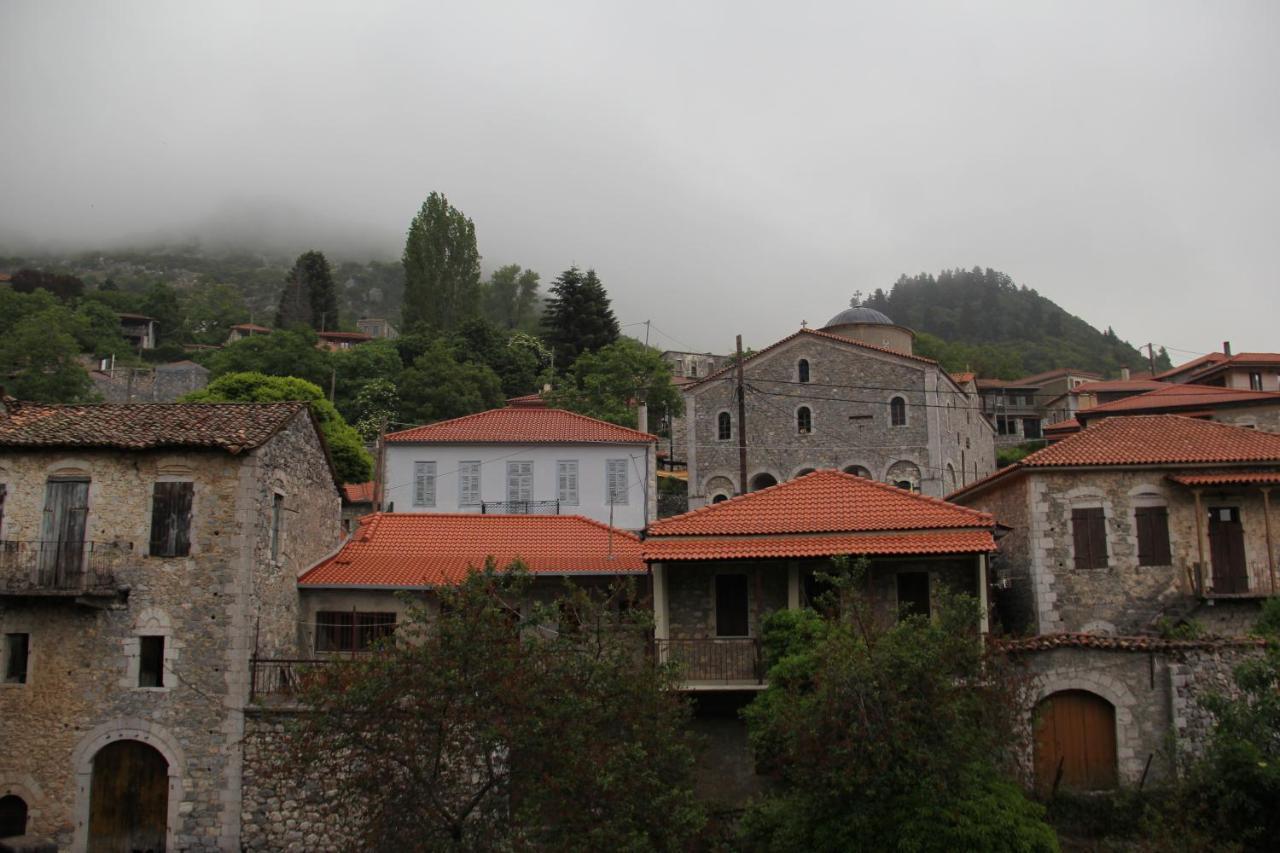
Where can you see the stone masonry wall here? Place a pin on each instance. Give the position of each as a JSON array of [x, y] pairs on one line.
[[1015, 594], [1195, 675], [691, 600]]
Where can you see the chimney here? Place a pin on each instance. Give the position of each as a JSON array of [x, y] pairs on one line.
[[642, 416], [1226, 348], [1124, 373]]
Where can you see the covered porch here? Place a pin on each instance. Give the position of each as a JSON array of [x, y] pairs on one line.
[[1235, 545]]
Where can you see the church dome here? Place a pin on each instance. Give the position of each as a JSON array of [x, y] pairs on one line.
[[859, 315]]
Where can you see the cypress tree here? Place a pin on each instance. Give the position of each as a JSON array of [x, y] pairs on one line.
[[578, 318], [441, 267], [309, 297]]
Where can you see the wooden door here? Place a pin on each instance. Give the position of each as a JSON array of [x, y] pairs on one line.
[[128, 799], [66, 507], [1226, 549], [1075, 745]]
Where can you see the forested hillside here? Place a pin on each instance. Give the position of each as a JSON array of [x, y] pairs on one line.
[[981, 320]]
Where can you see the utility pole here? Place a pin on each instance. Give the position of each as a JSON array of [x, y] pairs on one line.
[[646, 333], [1151, 358], [742, 426]]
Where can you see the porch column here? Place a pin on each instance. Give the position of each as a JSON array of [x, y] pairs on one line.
[[983, 623], [661, 622], [1199, 580], [1266, 523], [793, 584]]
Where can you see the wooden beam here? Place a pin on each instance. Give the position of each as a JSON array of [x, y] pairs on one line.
[[1266, 524]]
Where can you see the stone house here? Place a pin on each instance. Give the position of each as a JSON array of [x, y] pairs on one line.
[[164, 383], [1255, 409], [246, 330], [524, 458], [850, 396], [1013, 407], [1247, 371], [377, 327], [139, 330], [147, 552]]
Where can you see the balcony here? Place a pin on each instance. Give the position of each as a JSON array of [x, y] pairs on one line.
[[520, 508], [83, 571], [715, 664]]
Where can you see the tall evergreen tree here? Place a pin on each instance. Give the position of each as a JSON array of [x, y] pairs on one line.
[[310, 297], [578, 318], [441, 267]]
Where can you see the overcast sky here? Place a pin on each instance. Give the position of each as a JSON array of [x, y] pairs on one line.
[[726, 167]]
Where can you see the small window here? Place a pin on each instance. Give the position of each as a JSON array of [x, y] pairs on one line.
[[151, 661], [1255, 380], [693, 370], [277, 524], [424, 484], [904, 484], [913, 594], [802, 370], [567, 481], [719, 499], [350, 631], [1089, 532], [616, 481], [1153, 536], [898, 412], [724, 426], [804, 420], [13, 817], [468, 483], [731, 606], [17, 649], [1031, 427], [519, 482], [171, 519]]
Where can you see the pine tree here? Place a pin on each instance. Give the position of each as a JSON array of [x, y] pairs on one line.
[[309, 297], [578, 318], [441, 267]]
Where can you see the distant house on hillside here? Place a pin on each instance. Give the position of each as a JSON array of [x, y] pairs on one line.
[[1248, 371], [376, 327], [246, 330], [334, 341], [1020, 408], [139, 330], [693, 365], [164, 383]]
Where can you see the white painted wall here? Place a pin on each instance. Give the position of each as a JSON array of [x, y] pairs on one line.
[[591, 459]]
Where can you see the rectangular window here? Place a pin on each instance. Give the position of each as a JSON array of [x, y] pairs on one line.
[[913, 594], [1031, 427], [349, 631], [1002, 425], [616, 480], [731, 606], [1153, 536], [1089, 531], [151, 661], [17, 649], [519, 482], [1255, 380], [424, 484], [277, 524], [567, 481], [468, 483], [171, 519]]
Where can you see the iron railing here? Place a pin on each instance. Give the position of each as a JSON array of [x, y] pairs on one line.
[[59, 566], [736, 659], [282, 678], [520, 508]]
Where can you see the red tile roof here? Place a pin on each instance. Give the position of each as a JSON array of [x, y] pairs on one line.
[[344, 336], [962, 378], [1101, 642], [821, 502], [1172, 397], [396, 550], [989, 384], [135, 426], [1111, 386], [358, 493], [250, 327], [782, 547], [1241, 479], [1059, 371], [523, 425], [1069, 425], [1195, 364]]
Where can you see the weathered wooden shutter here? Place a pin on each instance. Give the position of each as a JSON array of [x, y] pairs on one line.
[[1089, 533], [66, 508], [171, 519], [616, 480], [424, 484], [1153, 536]]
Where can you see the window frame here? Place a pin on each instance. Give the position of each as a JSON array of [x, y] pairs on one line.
[[724, 426], [352, 631], [277, 525], [469, 482], [804, 371], [151, 651], [12, 656], [928, 594], [171, 518], [568, 497], [512, 469], [1095, 553], [897, 411], [425, 472], [746, 604], [1155, 547], [609, 472]]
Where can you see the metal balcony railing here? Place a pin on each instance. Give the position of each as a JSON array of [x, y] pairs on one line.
[[714, 660], [52, 567], [520, 508]]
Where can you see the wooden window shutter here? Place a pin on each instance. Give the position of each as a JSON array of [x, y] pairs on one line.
[[171, 519], [1153, 536], [424, 484], [1089, 533]]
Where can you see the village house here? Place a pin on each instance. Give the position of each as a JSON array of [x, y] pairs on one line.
[[851, 396], [147, 552], [357, 502], [246, 330], [1253, 409], [163, 383], [139, 330], [1086, 395], [527, 459], [376, 327], [334, 341], [1249, 371], [1012, 406]]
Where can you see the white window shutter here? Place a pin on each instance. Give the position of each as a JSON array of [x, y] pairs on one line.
[[616, 480], [424, 484], [567, 485], [469, 483]]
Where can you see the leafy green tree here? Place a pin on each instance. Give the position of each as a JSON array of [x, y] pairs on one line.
[[65, 287], [887, 737], [96, 329], [355, 368], [578, 317], [210, 310], [281, 353], [309, 297], [161, 302], [488, 726], [519, 361], [16, 306], [441, 267], [352, 463], [38, 360], [375, 407], [607, 383], [437, 387], [510, 297]]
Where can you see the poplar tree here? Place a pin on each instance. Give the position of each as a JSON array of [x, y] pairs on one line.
[[441, 267], [578, 318]]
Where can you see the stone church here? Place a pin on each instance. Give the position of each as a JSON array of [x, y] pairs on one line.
[[851, 396]]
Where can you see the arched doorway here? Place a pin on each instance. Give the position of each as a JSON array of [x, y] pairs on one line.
[[763, 480], [13, 816], [128, 798], [1075, 745]]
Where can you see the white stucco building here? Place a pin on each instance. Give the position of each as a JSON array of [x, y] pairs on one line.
[[525, 459]]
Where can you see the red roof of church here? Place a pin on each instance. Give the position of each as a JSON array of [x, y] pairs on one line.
[[523, 425]]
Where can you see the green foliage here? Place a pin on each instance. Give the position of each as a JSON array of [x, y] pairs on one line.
[[1006, 456], [375, 406], [309, 297], [282, 353], [354, 368], [887, 736], [511, 298], [980, 320], [606, 383], [350, 460], [1182, 629], [578, 317], [96, 329], [65, 287], [38, 360], [441, 267], [519, 360], [437, 386], [492, 726], [210, 310]]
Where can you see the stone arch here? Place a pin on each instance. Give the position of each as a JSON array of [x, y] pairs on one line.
[[13, 815], [69, 467], [762, 480], [719, 486], [1129, 761], [904, 471], [804, 420], [1075, 742], [127, 728], [859, 471], [952, 482], [24, 788]]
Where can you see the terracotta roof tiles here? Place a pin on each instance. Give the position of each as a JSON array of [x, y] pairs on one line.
[[523, 425], [783, 547], [1243, 478], [358, 493], [1170, 397]]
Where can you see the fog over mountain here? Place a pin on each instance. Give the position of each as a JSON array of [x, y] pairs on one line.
[[724, 166]]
